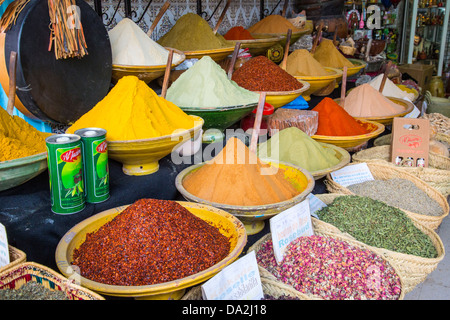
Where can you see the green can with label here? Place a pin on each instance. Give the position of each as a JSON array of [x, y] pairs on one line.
[[65, 170], [95, 164]]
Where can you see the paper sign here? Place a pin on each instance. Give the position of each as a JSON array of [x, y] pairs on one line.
[[315, 204], [4, 250], [288, 225], [410, 142], [238, 281], [352, 174]]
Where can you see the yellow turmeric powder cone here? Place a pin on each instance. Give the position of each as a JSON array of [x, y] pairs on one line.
[[18, 138], [133, 111]]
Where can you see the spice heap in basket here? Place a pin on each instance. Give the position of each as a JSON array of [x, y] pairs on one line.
[[150, 242], [273, 24], [19, 139], [302, 63], [332, 269], [377, 224]]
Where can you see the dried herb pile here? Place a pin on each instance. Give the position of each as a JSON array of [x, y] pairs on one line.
[[151, 241], [32, 291], [377, 224]]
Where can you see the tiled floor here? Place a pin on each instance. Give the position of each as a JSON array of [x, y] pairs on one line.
[[437, 285]]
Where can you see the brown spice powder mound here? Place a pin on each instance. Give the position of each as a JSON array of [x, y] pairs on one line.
[[235, 177], [150, 242], [262, 74]]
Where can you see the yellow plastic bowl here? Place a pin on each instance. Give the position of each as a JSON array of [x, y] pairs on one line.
[[319, 82], [280, 98], [215, 54], [140, 157], [144, 73], [18, 171], [253, 216], [350, 142], [228, 225], [408, 107]]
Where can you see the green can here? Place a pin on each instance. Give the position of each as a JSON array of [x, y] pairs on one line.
[[65, 170], [95, 164]]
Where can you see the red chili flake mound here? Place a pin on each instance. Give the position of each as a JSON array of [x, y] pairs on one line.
[[151, 241], [261, 74]]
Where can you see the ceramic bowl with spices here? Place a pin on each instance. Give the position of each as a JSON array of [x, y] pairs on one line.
[[208, 223], [259, 74], [253, 216], [259, 46], [144, 73], [141, 157], [18, 171], [317, 83], [350, 142], [406, 105], [215, 54]]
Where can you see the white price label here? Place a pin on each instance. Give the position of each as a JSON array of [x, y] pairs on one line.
[[238, 281], [352, 174], [288, 225]]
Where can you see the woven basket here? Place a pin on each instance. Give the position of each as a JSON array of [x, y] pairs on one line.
[[15, 277], [384, 172], [16, 256], [435, 160], [412, 269], [339, 236], [270, 286], [437, 178]]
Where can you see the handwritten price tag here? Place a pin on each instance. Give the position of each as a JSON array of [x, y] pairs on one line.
[[238, 281], [288, 225], [352, 174]]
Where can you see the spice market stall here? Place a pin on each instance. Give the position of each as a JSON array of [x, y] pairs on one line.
[[175, 216]]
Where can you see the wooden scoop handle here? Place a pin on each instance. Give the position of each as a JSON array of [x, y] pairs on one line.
[[233, 59], [12, 82], [222, 16], [167, 74], [286, 49], [316, 40], [257, 123], [158, 17]]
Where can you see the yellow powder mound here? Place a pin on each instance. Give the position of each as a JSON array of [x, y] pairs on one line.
[[273, 24], [18, 138], [302, 63], [131, 111], [365, 101], [329, 56], [235, 177]]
